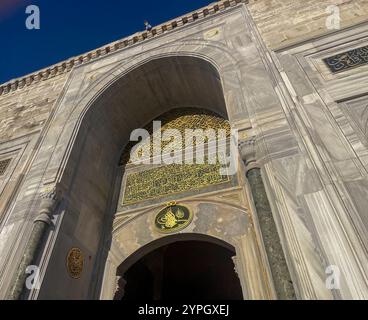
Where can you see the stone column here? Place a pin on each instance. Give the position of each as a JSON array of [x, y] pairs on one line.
[[276, 258], [48, 203]]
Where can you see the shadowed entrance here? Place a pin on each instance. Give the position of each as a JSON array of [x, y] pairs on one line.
[[182, 270]]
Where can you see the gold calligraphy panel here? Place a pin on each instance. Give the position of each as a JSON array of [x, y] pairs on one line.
[[170, 179], [180, 119]]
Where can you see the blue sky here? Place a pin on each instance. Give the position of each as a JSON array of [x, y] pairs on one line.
[[71, 27]]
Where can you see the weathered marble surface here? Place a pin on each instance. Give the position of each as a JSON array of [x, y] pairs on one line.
[[313, 158], [286, 22]]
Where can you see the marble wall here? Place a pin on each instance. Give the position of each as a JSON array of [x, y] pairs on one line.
[[311, 145], [286, 22]]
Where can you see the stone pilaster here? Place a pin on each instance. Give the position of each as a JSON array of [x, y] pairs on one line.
[[276, 258], [49, 200]]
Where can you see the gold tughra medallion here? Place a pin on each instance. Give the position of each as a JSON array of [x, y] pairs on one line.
[[173, 218]]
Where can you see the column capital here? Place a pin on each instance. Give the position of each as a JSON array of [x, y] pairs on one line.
[[49, 195], [247, 149]]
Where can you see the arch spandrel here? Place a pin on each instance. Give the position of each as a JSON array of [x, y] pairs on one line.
[[215, 220], [219, 219]]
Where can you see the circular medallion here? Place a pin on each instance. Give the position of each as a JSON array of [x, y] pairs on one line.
[[173, 218], [74, 262]]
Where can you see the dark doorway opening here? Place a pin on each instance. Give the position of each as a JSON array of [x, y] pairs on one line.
[[182, 270]]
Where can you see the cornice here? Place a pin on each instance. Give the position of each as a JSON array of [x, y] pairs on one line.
[[67, 65]]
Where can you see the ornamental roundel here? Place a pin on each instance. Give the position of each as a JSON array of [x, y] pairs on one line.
[[173, 218], [75, 262]]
